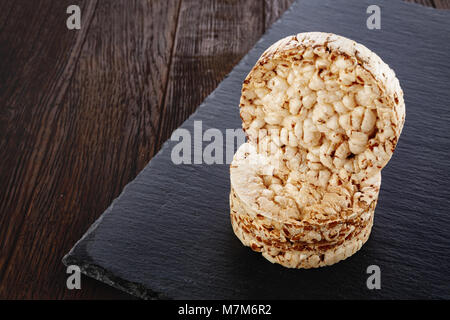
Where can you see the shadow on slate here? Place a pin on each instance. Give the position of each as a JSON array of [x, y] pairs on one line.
[[168, 235]]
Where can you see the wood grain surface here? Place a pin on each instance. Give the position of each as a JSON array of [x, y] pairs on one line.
[[82, 112]]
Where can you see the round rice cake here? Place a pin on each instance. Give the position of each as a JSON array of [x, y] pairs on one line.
[[253, 177], [287, 222], [325, 103], [292, 254]]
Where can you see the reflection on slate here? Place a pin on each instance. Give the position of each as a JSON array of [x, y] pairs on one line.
[[168, 235]]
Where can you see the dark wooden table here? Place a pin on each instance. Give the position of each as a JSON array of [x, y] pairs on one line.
[[82, 112]]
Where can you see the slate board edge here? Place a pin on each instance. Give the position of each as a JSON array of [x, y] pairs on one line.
[[92, 270], [99, 273], [88, 267]]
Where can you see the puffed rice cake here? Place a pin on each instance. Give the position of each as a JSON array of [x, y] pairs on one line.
[[330, 225], [323, 115], [326, 102]]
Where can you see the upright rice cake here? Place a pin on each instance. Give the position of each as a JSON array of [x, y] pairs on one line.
[[325, 102], [323, 115]]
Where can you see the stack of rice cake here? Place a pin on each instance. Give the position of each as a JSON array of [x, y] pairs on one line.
[[323, 115]]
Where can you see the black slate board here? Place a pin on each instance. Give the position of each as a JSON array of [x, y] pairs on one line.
[[168, 234]]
